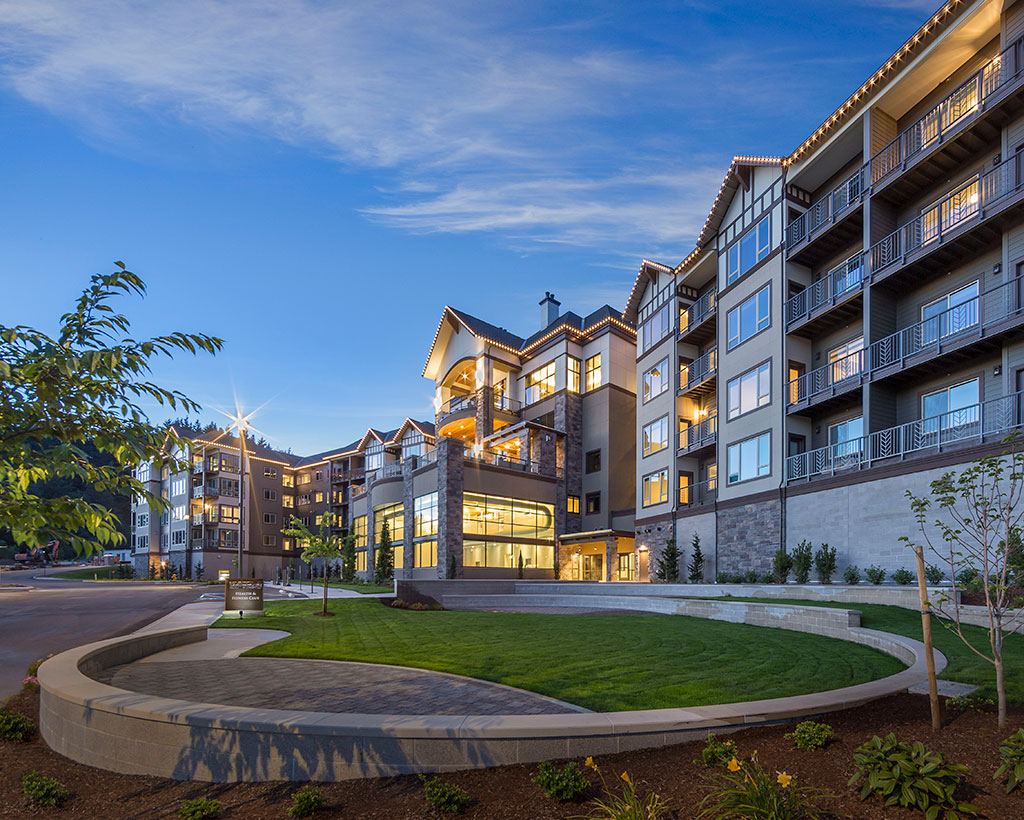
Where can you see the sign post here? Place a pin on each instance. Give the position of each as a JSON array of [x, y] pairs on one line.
[[243, 598]]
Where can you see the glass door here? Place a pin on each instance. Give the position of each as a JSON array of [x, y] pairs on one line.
[[593, 567], [626, 572]]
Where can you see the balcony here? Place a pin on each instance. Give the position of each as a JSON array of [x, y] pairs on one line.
[[830, 224], [951, 225], [963, 122], [457, 405], [345, 475], [504, 404], [358, 490], [198, 519], [698, 436], [390, 470], [832, 384], [697, 495], [197, 468], [829, 302], [957, 330], [197, 491], [698, 377], [990, 420], [694, 325], [512, 463]]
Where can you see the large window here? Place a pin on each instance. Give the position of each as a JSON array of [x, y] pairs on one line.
[[425, 553], [507, 517], [751, 248], [500, 554], [540, 383], [287, 480], [655, 328], [951, 314], [845, 361], [361, 561], [951, 407], [397, 556], [592, 461], [750, 317], [424, 510], [374, 457], [655, 436], [288, 501], [751, 390], [656, 380], [750, 459], [847, 437], [593, 372], [394, 514], [228, 514], [655, 488], [359, 531], [572, 373]]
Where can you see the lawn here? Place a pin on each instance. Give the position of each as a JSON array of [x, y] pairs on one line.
[[87, 574], [602, 662], [964, 665], [362, 589]]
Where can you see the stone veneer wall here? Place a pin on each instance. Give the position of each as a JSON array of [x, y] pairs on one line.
[[748, 536], [653, 537], [450, 468], [408, 519]]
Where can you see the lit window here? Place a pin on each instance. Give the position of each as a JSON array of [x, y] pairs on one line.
[[573, 504], [540, 383], [750, 459], [287, 480], [751, 248], [318, 497], [750, 391], [655, 488], [270, 472], [655, 436], [287, 501], [749, 318], [359, 531], [656, 380], [425, 515], [593, 372], [425, 553], [573, 374]]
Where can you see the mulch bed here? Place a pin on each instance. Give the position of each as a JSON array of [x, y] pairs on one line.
[[978, 598], [508, 794]]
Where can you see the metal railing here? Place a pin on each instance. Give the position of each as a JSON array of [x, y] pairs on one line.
[[429, 457], [696, 313], [197, 467], [204, 518], [966, 425], [358, 489], [692, 374], [971, 316], [197, 491], [456, 404], [842, 373], [506, 404], [825, 210], [694, 495], [839, 281], [390, 468], [513, 463], [967, 98], [697, 435]]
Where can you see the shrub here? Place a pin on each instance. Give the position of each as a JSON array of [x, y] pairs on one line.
[[967, 576], [934, 575], [782, 565], [567, 783], [306, 802], [851, 575], [717, 752], [43, 791], [667, 565], [973, 703], [443, 796], [802, 557], [15, 727], [910, 776], [627, 804], [825, 563], [752, 576], [33, 668], [876, 575], [199, 809], [1011, 751], [695, 569], [810, 736], [749, 792], [724, 578], [768, 578], [903, 577]]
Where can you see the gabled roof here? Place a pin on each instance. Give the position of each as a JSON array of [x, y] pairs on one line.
[[648, 273], [426, 428], [457, 319]]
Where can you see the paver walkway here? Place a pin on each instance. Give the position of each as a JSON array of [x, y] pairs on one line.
[[326, 686]]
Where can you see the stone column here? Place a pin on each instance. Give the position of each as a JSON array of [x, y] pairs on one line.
[[569, 458], [370, 537], [484, 414], [450, 464], [408, 519], [563, 555], [611, 552]]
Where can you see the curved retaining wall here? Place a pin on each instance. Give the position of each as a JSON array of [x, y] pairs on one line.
[[135, 733]]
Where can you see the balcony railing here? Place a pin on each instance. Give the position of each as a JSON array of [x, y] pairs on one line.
[[506, 404], [513, 463], [204, 518], [966, 425], [391, 468], [839, 281], [968, 201], [695, 495], [197, 491], [950, 326], [834, 377], [358, 490], [456, 404], [429, 457], [964, 100], [826, 209], [692, 374], [700, 434], [197, 467], [696, 313]]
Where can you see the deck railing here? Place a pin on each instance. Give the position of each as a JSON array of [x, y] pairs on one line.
[[825, 209], [694, 495], [455, 404], [692, 374], [697, 435], [696, 313], [508, 405], [839, 281], [842, 373]]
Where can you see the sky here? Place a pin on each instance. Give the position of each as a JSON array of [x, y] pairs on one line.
[[314, 181]]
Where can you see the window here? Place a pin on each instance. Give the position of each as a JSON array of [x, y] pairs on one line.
[[655, 488], [178, 486], [751, 248], [593, 503], [318, 497], [749, 318], [655, 436], [492, 515], [319, 475], [286, 543], [270, 540], [143, 520], [656, 380], [163, 541], [951, 407], [540, 383], [229, 487], [318, 520], [287, 480], [228, 514], [270, 472], [177, 538], [270, 495], [425, 553], [165, 473], [751, 390], [288, 501], [305, 478], [304, 499], [572, 373], [361, 561], [143, 542], [654, 329], [142, 472], [503, 554], [397, 556], [593, 461], [374, 457], [952, 313], [593, 372], [425, 516], [846, 437], [269, 518], [750, 459], [180, 512], [394, 514], [572, 504], [844, 359], [228, 539]]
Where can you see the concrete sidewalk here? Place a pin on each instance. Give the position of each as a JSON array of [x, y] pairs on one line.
[[332, 592]]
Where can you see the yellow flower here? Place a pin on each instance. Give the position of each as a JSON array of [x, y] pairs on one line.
[[625, 776], [589, 763], [784, 779], [734, 765]]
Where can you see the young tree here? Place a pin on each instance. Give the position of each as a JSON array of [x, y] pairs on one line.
[[519, 567], [384, 563], [978, 526], [321, 545], [348, 559], [695, 569], [453, 567], [83, 385], [668, 564]]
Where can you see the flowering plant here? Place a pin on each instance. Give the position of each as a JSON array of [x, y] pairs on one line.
[[622, 800], [748, 791], [31, 682]]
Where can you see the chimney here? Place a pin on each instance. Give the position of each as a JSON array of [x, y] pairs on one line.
[[548, 309]]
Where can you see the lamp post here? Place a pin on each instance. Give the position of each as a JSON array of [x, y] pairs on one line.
[[241, 494]]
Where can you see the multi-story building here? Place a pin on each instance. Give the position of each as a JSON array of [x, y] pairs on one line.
[[849, 325]]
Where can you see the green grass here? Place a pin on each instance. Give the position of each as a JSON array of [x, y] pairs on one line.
[[964, 665], [88, 573], [602, 662], [362, 589]]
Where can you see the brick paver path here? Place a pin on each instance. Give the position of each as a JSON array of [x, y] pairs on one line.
[[327, 686]]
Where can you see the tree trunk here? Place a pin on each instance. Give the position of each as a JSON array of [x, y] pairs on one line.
[[1001, 690], [325, 595]]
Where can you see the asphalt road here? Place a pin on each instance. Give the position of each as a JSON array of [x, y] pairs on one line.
[[58, 615]]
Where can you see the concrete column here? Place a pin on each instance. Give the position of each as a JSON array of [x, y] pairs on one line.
[[450, 465], [408, 519]]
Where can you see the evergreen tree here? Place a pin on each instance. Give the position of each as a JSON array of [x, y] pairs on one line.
[[668, 564], [384, 565], [695, 568], [453, 567], [519, 568], [348, 559]]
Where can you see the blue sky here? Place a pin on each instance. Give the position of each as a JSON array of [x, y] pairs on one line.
[[314, 181]]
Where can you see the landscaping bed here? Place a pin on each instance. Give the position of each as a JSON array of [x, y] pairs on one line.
[[508, 793]]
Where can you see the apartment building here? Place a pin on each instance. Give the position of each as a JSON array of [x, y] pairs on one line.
[[849, 324]]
